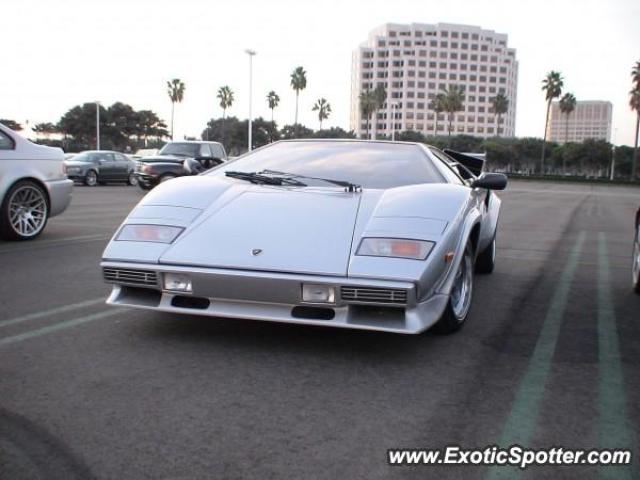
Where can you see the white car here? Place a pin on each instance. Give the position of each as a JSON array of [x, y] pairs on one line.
[[33, 186]]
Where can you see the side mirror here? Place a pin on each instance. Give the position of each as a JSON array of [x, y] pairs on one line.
[[490, 181]]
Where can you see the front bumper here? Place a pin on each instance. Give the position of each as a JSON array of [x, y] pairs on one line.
[[60, 192], [146, 179], [272, 297]]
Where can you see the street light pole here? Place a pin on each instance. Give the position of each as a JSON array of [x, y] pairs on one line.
[[251, 53], [394, 105], [97, 125]]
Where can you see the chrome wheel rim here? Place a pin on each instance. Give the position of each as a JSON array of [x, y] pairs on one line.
[[92, 178], [636, 259], [133, 180], [27, 211], [462, 287]]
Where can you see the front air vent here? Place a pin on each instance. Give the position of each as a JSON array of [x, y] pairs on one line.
[[374, 295], [131, 277]]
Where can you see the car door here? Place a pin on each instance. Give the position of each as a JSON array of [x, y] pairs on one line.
[[106, 166], [122, 167]]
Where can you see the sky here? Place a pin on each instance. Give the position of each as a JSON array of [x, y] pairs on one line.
[[61, 53]]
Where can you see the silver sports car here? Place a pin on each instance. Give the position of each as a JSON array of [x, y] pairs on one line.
[[344, 233]]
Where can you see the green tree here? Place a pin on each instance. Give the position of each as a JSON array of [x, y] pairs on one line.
[[298, 83], [438, 106], [453, 102], [175, 90], [500, 105], [47, 128], [635, 74], [225, 95], [148, 124], [12, 124], [323, 108], [295, 131], [368, 104], [552, 87], [334, 132]]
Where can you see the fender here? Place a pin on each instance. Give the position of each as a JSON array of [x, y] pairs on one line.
[[445, 284]]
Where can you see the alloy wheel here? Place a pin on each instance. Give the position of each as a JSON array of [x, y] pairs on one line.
[[27, 211]]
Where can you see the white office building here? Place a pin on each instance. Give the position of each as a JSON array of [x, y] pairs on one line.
[[591, 119], [417, 61]]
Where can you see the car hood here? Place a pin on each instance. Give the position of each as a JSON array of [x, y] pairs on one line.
[[272, 229], [237, 225]]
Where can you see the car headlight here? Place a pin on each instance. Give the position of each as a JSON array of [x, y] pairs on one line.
[[149, 233], [318, 293], [177, 282], [395, 247]]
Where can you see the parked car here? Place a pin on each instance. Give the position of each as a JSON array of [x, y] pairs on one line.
[[346, 233], [636, 255], [33, 186], [176, 159], [93, 167]]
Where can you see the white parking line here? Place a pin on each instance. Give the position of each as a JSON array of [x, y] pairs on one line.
[[58, 326], [51, 311]]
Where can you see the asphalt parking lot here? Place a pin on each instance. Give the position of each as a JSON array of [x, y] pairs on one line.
[[549, 357]]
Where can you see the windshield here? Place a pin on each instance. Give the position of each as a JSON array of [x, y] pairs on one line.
[[368, 164], [181, 149]]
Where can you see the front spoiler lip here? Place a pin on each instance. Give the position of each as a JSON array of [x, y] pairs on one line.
[[276, 304]]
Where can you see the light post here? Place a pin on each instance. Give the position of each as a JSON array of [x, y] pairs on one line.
[[97, 125], [613, 155], [251, 53]]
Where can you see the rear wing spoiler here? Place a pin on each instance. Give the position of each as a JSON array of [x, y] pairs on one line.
[[473, 162]]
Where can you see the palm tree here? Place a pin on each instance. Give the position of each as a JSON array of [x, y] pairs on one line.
[[272, 100], [552, 86], [368, 104], [453, 102], [175, 89], [298, 82], [634, 103], [438, 106], [323, 108], [225, 95], [635, 73], [500, 105], [379, 98], [567, 106]]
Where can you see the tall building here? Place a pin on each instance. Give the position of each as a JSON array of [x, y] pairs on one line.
[[414, 62], [590, 119]]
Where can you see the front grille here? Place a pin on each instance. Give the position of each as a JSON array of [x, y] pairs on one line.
[[131, 277], [374, 295]]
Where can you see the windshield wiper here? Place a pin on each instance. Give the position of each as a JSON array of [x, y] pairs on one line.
[[259, 178], [348, 186]]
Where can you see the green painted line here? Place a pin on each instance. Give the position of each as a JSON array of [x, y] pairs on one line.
[[615, 430], [57, 327], [51, 311], [521, 423]]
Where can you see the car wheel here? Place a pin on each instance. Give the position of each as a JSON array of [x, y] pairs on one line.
[[636, 262], [24, 211], [91, 178], [132, 179], [166, 177], [486, 261], [457, 310], [144, 186]]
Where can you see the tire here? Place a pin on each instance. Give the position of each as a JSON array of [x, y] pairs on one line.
[[24, 211], [166, 177], [144, 186], [91, 178], [636, 262], [459, 304], [486, 261], [132, 180]]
